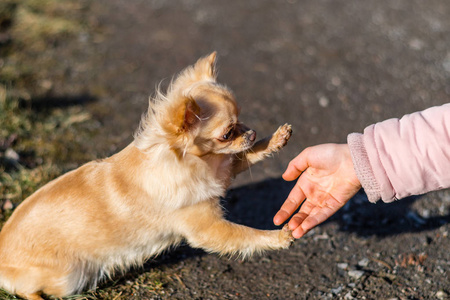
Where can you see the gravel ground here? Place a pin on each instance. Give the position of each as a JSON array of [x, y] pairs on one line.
[[326, 67]]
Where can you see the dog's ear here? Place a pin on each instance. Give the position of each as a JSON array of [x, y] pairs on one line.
[[169, 123], [206, 66], [203, 69], [186, 116]]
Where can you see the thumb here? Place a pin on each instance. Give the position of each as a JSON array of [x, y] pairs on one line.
[[296, 166]]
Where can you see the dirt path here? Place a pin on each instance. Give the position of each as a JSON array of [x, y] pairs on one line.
[[328, 68]]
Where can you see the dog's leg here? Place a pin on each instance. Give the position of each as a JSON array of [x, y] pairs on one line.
[[204, 227], [30, 282], [262, 149]]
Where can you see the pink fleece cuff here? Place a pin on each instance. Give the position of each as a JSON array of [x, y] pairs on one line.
[[362, 166]]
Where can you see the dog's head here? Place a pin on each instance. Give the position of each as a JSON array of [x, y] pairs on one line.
[[196, 116]]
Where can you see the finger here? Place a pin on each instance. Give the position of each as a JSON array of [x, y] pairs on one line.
[[293, 201], [308, 222], [316, 216], [297, 220], [303, 213], [296, 166], [298, 232], [307, 207]]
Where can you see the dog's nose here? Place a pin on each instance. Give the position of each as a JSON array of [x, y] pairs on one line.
[[251, 135]]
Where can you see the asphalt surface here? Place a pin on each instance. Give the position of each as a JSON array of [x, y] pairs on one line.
[[329, 68]]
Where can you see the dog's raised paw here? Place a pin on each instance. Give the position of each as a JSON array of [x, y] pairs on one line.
[[286, 237], [280, 137]]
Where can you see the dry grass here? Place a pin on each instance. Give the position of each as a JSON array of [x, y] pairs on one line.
[[30, 32], [36, 145], [39, 143], [35, 148]]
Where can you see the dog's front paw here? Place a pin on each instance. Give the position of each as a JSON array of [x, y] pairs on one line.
[[285, 237], [280, 137]]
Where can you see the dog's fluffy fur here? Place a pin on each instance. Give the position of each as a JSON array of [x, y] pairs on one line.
[[164, 187]]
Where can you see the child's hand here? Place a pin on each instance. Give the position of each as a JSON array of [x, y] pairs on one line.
[[327, 181]]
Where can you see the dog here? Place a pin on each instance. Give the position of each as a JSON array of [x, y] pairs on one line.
[[164, 187]]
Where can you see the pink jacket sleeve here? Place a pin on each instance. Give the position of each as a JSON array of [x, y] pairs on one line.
[[402, 157]]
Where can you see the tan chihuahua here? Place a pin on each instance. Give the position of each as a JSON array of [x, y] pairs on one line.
[[164, 187]]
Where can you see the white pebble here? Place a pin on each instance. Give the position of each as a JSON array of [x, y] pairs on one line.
[[441, 295], [363, 262], [356, 274], [349, 296], [323, 101], [8, 205], [342, 266]]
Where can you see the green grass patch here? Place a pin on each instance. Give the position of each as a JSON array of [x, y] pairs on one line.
[[144, 286], [40, 140], [36, 147], [30, 32], [4, 295]]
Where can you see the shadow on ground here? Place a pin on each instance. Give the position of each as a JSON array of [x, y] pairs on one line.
[[255, 205], [49, 102]]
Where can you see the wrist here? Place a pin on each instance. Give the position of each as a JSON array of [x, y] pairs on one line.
[[362, 167], [353, 177]]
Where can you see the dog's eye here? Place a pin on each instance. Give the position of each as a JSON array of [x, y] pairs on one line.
[[228, 135]]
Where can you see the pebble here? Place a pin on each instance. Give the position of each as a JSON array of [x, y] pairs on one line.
[[441, 295], [7, 205], [11, 154], [349, 296], [323, 236], [363, 262], [446, 63], [416, 44], [336, 81], [425, 213], [342, 266], [337, 290], [356, 274], [323, 101]]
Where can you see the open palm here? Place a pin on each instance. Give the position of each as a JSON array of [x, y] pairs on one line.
[[327, 181]]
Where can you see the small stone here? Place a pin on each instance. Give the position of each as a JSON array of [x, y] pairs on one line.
[[265, 260], [425, 213], [349, 296], [336, 81], [441, 295], [342, 266], [446, 63], [46, 84], [363, 262], [7, 205], [11, 154], [337, 290], [323, 101], [416, 44], [323, 236], [356, 274]]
